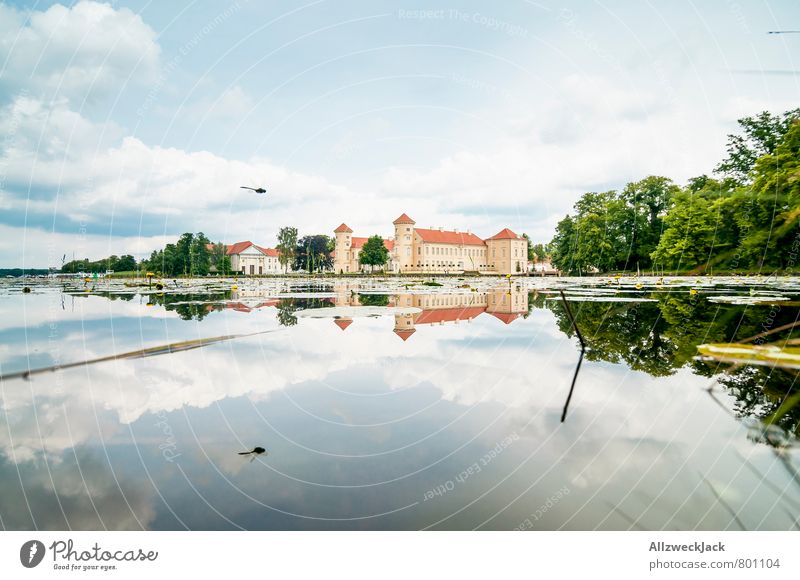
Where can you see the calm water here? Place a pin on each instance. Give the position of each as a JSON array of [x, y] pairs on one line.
[[395, 405]]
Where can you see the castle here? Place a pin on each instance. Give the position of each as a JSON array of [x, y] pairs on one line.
[[418, 250]]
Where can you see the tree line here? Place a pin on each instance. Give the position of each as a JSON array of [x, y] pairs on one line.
[[191, 255], [743, 217], [123, 263]]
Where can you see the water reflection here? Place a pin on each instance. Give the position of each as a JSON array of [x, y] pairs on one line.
[[457, 425]]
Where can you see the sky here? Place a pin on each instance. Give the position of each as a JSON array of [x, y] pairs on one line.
[[125, 124]]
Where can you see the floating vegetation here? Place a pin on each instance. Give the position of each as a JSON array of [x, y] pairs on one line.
[[589, 298], [751, 300], [765, 354]]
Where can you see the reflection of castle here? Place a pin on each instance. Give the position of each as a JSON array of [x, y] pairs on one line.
[[249, 299], [505, 303], [416, 249]]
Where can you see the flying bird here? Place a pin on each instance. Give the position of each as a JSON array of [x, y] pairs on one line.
[[256, 189], [255, 451]]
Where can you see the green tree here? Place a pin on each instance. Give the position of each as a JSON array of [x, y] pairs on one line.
[[313, 253], [564, 245], [700, 229], [200, 260], [125, 264], [373, 252], [769, 218], [287, 244], [645, 205], [220, 261], [760, 135], [182, 260], [599, 233]]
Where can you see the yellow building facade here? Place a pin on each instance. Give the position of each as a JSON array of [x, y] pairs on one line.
[[437, 251]]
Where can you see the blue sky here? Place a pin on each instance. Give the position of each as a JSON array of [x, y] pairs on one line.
[[125, 124]]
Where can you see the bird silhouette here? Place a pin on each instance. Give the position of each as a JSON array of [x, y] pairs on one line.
[[255, 451], [256, 189]]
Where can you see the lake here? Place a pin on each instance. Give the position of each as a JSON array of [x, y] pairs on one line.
[[396, 404]]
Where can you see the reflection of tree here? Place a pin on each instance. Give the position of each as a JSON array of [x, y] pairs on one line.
[[288, 306], [110, 296], [535, 300], [760, 391], [286, 311], [632, 333], [373, 299], [190, 306], [660, 337]]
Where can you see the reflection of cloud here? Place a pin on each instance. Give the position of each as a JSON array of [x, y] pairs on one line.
[[77, 493]]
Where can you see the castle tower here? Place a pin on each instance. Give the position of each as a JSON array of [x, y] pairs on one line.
[[341, 261], [404, 326], [404, 242]]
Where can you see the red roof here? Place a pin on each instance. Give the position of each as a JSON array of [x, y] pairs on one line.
[[506, 317], [359, 242], [342, 323], [505, 234], [271, 252], [342, 228], [447, 237], [242, 307], [404, 219], [405, 333], [449, 314], [240, 247]]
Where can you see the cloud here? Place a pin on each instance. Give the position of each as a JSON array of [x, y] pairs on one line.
[[77, 52]]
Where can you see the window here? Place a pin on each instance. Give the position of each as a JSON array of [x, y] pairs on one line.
[[408, 251]]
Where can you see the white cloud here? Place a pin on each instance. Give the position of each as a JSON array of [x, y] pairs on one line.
[[35, 247], [75, 52]]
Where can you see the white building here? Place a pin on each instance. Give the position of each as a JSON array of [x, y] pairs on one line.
[[250, 259]]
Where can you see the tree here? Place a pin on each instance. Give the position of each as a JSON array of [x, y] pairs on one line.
[[564, 244], [700, 228], [287, 244], [645, 204], [182, 259], [200, 259], [373, 252], [220, 260], [760, 136], [124, 264], [539, 252], [313, 253], [598, 230], [770, 216]]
